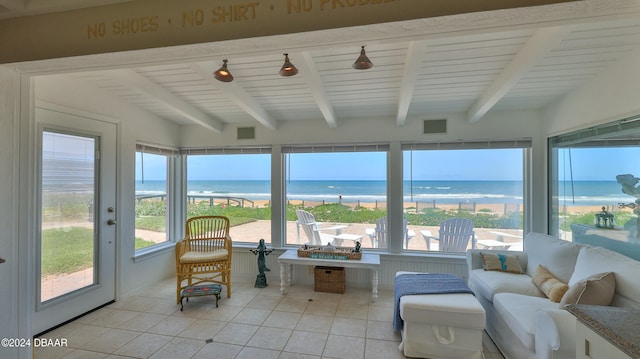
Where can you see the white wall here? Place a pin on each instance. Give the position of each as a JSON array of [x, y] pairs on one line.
[[494, 125]]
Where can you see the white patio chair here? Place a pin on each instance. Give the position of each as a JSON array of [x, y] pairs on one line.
[[312, 229], [378, 235], [454, 235]]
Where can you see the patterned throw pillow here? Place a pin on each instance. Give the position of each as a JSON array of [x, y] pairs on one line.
[[501, 262], [548, 284]]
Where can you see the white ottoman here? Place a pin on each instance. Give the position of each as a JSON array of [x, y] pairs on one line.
[[442, 326]]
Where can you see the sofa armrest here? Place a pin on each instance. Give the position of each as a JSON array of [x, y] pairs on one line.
[[555, 332]]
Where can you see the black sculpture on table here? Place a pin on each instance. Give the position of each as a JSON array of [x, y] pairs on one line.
[[262, 251]]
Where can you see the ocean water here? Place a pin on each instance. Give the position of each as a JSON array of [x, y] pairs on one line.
[[578, 193]]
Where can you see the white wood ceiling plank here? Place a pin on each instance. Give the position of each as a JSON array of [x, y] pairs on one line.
[[239, 96], [536, 48], [134, 80]]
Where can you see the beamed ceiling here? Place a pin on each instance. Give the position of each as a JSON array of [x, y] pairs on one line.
[[472, 64]]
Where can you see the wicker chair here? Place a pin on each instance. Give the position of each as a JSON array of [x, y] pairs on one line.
[[204, 254]]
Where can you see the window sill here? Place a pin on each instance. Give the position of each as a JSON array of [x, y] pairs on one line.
[[150, 252]]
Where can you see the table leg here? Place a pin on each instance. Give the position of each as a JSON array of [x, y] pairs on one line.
[[283, 278], [374, 285], [289, 275]]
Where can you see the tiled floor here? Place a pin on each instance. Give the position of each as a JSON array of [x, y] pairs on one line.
[[253, 323]]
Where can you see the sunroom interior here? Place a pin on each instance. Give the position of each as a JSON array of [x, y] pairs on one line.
[[518, 82]]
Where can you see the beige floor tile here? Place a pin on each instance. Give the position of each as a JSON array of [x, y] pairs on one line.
[[315, 323], [292, 304], [306, 343], [270, 338], [142, 321], [82, 334], [382, 331], [144, 345], [236, 333], [349, 327], [197, 307], [238, 300], [84, 354], [344, 347], [264, 302], [172, 325], [218, 351], [111, 340], [202, 329], [52, 353], [251, 316], [321, 308], [381, 313], [352, 310], [286, 320], [287, 355], [257, 322], [224, 313], [383, 349], [358, 296], [179, 348], [252, 353]]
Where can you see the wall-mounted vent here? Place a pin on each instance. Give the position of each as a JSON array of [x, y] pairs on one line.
[[246, 133], [435, 126]]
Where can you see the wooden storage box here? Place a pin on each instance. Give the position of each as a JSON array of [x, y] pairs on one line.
[[329, 279]]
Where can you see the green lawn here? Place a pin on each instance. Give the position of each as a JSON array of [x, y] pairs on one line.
[[70, 250], [66, 250]]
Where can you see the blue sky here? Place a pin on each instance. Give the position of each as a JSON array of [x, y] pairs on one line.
[[599, 164], [587, 165]]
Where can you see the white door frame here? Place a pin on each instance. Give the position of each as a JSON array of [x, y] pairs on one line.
[[67, 307]]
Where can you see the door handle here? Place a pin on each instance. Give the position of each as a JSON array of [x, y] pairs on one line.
[[111, 222]]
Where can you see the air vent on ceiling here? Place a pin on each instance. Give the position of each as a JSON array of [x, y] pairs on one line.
[[435, 126], [246, 133]]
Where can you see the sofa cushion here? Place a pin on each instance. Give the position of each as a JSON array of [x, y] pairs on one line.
[[488, 283], [597, 289], [548, 284], [501, 262], [519, 312], [558, 256], [592, 260], [460, 310]]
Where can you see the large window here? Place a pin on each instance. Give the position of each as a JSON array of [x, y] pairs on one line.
[[235, 183], [152, 195], [336, 194], [459, 180], [595, 197]]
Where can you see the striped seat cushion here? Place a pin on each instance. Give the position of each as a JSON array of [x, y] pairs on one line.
[[196, 257]]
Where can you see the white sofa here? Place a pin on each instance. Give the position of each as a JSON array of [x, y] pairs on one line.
[[520, 319]]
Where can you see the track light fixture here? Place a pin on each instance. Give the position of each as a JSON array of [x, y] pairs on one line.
[[287, 68], [363, 62], [223, 74]]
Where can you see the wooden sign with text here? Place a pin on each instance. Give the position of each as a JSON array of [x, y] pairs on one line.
[[146, 24]]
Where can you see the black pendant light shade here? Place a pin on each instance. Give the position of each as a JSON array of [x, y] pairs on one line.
[[223, 74]]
